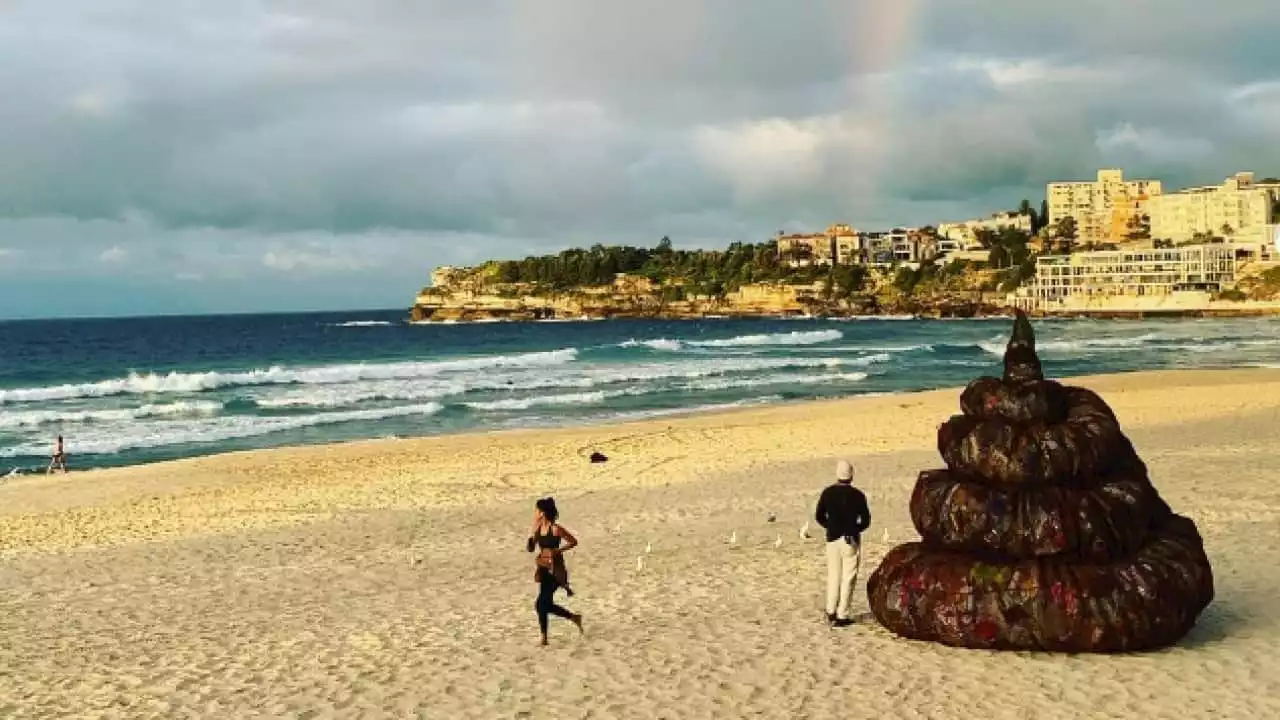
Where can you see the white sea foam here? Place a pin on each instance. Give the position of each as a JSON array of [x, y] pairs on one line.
[[998, 346], [710, 384], [579, 377], [363, 323], [35, 418], [867, 318], [127, 436], [659, 344], [869, 360], [813, 337], [590, 398], [810, 337], [181, 382]]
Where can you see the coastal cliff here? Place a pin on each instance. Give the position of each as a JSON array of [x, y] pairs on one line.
[[760, 280], [472, 294]]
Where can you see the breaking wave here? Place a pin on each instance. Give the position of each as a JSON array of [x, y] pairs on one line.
[[798, 338], [181, 432], [36, 418], [183, 382], [363, 323], [659, 344], [997, 347], [811, 337]]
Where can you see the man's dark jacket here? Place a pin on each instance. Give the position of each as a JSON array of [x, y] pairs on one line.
[[843, 511]]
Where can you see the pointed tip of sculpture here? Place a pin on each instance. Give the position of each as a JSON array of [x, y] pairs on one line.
[[1023, 334], [1021, 363]]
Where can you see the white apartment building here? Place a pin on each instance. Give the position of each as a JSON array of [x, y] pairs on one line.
[[840, 244], [1102, 209], [1238, 209], [1085, 276], [962, 236]]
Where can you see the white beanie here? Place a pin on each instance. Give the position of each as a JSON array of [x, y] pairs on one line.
[[844, 471]]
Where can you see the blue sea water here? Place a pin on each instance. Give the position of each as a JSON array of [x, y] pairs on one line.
[[127, 391]]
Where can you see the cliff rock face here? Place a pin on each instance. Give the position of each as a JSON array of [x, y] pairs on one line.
[[456, 297], [467, 295]]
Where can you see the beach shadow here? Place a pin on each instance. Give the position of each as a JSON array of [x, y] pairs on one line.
[[1215, 625]]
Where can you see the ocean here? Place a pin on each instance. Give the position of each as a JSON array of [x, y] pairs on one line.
[[139, 390]]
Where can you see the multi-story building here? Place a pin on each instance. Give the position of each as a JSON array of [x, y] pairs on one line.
[[1238, 209], [804, 250], [878, 247], [839, 244], [962, 236], [843, 245], [848, 244], [1102, 209], [1084, 276], [913, 246]]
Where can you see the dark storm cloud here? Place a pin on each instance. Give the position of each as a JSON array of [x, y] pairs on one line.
[[230, 142]]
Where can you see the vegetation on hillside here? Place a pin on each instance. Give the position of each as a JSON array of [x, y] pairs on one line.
[[716, 273], [1264, 286], [700, 272]]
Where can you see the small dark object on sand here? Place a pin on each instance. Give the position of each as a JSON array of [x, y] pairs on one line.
[[772, 517], [597, 457]]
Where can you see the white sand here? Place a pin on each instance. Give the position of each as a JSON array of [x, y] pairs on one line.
[[389, 579]]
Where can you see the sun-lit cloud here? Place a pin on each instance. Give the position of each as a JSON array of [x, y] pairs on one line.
[[113, 254]]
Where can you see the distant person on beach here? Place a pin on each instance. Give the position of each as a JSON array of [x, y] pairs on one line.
[[59, 459], [550, 573], [843, 511]]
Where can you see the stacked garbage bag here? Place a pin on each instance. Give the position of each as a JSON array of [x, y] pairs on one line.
[[1044, 532]]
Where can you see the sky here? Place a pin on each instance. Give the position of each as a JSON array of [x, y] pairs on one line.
[[236, 156]]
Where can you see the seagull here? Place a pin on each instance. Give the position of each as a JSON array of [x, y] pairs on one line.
[[648, 547], [884, 537], [639, 563], [733, 539], [618, 528], [804, 531], [777, 542]]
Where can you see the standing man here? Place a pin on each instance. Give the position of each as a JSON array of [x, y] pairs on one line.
[[843, 511]]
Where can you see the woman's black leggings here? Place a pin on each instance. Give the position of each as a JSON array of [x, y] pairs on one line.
[[546, 604]]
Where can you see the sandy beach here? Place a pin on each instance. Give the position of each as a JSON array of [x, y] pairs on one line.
[[389, 578]]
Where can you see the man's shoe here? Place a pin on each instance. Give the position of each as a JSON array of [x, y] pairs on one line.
[[831, 618], [842, 622]]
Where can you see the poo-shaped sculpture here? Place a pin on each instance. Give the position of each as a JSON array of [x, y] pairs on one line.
[[1044, 532]]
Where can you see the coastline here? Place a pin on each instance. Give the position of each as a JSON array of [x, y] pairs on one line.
[[287, 486], [1245, 310], [332, 579]]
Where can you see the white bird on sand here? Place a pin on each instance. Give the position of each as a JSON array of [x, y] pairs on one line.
[[884, 537], [639, 563], [804, 531], [777, 542], [733, 538], [648, 547]]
